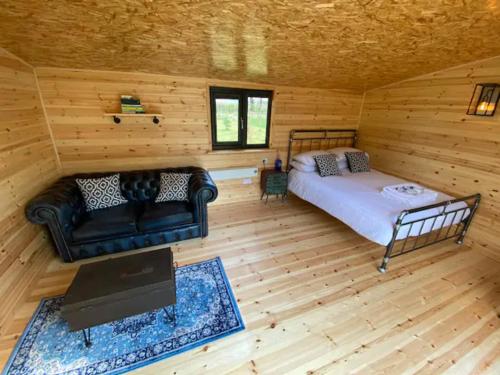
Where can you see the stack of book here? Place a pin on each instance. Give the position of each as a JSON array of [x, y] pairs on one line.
[[131, 105]]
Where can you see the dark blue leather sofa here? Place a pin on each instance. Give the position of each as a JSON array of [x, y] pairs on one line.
[[79, 234]]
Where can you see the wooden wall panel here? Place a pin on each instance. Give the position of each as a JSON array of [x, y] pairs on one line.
[[86, 140], [419, 129], [27, 164]]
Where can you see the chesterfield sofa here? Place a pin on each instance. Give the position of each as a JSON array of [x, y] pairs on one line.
[[141, 222]]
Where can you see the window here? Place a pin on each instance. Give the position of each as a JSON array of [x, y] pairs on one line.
[[240, 118]]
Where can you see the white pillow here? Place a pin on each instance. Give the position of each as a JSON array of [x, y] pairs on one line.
[[340, 152], [303, 167], [307, 158]]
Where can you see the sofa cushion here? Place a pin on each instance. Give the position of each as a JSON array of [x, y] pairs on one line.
[[164, 215], [173, 187], [102, 192], [106, 223]]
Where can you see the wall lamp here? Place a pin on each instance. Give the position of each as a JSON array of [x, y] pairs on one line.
[[484, 100]]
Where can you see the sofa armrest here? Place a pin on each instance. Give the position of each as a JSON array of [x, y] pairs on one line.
[[202, 190], [60, 207]]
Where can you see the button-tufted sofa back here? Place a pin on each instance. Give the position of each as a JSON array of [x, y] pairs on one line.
[[140, 185]]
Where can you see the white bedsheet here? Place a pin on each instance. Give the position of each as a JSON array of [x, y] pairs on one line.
[[356, 200]]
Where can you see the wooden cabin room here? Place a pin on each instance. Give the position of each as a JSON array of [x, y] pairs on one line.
[[235, 187]]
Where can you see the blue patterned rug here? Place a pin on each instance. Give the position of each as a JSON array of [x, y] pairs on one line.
[[206, 310]]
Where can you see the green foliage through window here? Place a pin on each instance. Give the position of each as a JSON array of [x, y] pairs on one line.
[[240, 118]]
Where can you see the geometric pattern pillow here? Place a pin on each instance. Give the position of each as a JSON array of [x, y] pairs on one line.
[[101, 192], [173, 187], [358, 162], [327, 165]]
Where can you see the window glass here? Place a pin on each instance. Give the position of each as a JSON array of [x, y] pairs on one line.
[[227, 120], [257, 120]]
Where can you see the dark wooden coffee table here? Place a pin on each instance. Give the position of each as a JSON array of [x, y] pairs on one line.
[[114, 289]]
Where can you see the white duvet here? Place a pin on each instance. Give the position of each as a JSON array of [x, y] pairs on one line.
[[356, 200]]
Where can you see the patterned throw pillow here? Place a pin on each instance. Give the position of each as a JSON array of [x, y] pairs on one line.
[[327, 165], [358, 162], [101, 192], [173, 187]]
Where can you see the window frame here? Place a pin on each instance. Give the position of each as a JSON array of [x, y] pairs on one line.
[[242, 95]]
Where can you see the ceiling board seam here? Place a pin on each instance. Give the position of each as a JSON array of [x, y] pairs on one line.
[[18, 59], [49, 128], [120, 72], [434, 72], [205, 79], [361, 109]]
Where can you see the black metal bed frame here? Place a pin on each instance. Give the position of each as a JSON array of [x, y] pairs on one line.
[[459, 218]]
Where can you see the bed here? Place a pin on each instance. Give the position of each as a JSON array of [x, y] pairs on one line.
[[356, 200]]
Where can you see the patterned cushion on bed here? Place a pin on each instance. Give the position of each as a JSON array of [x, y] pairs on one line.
[[327, 165], [358, 162]]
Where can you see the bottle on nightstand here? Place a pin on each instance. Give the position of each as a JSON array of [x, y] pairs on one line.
[[278, 163]]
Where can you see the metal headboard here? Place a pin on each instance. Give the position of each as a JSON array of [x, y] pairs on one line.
[[302, 140]]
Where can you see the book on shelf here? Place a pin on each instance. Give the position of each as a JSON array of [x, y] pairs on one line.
[[128, 99], [132, 109], [130, 104]]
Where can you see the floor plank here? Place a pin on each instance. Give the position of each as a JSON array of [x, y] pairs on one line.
[[313, 301]]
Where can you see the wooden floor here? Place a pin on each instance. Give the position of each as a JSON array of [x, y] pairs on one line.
[[313, 301]]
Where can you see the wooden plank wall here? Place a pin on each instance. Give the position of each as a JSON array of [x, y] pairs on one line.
[[87, 141], [28, 163], [419, 129]]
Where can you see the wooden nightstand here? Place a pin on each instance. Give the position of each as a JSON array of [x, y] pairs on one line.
[[274, 183]]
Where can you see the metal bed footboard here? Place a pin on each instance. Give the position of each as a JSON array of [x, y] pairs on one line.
[[445, 224]]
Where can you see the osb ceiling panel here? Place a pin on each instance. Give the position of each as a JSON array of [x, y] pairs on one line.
[[357, 44]]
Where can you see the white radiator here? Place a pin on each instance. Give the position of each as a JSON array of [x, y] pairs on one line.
[[233, 173]]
